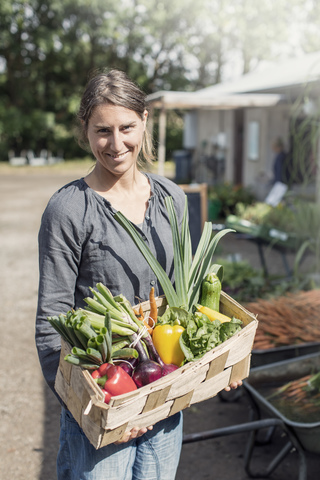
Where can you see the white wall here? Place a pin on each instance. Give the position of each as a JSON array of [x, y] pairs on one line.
[[203, 126], [213, 126], [208, 129], [190, 130], [273, 122], [229, 129], [252, 168]]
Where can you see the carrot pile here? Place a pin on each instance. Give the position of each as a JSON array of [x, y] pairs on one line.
[[287, 320], [298, 394]]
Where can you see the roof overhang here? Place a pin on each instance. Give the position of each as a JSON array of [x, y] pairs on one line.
[[191, 101]]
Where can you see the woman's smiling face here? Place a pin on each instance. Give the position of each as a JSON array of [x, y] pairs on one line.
[[115, 136]]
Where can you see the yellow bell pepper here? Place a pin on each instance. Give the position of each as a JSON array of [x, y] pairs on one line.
[[213, 314], [166, 341]]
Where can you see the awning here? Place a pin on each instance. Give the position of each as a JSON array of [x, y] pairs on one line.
[[182, 100], [166, 100]]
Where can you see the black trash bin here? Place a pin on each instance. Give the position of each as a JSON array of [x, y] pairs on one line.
[[182, 160]]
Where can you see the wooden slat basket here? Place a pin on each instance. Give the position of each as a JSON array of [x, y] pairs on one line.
[[192, 383]]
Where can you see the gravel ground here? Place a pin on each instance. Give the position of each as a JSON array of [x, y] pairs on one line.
[[29, 411]]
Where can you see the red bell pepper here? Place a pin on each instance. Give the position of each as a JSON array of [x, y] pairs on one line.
[[107, 396], [113, 380]]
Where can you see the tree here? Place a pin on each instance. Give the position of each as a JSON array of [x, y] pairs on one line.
[[49, 48]]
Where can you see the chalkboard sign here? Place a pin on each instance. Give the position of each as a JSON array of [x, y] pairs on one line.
[[198, 210]]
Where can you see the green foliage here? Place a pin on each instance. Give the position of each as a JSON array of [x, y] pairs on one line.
[[304, 131], [299, 217], [241, 281], [245, 283], [229, 196], [307, 225], [260, 213], [48, 48], [174, 131]]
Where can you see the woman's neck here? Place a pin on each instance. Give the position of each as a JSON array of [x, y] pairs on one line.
[[128, 193]]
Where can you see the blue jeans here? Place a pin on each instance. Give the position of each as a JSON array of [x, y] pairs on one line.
[[153, 456]]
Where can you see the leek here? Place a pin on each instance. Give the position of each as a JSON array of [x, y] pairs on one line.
[[188, 273], [159, 272]]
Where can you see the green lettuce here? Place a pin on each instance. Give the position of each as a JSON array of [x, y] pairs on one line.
[[202, 335]]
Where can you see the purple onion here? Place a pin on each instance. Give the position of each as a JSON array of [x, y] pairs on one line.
[[168, 368], [128, 365], [147, 372]]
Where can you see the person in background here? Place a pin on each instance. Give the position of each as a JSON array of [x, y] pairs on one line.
[[81, 244], [280, 173]]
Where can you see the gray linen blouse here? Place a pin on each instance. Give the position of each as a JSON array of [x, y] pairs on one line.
[[81, 244]]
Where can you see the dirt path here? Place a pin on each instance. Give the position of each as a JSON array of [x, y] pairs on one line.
[[29, 411]]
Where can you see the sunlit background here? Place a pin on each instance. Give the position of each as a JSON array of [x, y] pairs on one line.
[[48, 49], [225, 78]]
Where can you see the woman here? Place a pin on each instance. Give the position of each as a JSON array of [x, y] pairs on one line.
[[81, 244]]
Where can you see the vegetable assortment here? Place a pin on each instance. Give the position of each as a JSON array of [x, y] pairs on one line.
[[116, 343], [197, 285], [108, 331]]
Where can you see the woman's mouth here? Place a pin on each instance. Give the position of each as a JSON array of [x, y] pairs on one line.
[[118, 156]]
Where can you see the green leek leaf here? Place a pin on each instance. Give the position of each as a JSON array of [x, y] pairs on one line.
[[188, 273], [161, 275], [179, 274]]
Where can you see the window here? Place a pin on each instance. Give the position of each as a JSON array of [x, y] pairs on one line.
[[253, 140]]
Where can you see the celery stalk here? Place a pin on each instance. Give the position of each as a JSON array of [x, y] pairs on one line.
[[95, 305], [119, 344], [80, 362], [107, 295], [125, 353], [106, 331], [94, 355], [96, 320]]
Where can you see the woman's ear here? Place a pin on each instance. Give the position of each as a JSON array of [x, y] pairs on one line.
[[144, 119]]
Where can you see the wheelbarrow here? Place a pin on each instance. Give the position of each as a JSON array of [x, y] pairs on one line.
[[300, 436]]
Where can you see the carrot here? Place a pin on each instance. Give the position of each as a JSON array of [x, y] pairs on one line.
[[153, 315], [146, 324], [140, 315], [296, 395]]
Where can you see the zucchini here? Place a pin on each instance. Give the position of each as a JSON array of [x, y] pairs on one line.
[[210, 292]]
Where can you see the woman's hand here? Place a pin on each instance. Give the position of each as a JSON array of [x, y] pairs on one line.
[[135, 432], [233, 385]]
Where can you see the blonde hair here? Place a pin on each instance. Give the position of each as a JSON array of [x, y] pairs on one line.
[[116, 88]]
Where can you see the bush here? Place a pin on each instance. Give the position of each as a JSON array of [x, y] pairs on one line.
[[229, 195]]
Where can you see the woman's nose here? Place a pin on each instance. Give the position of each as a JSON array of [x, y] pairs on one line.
[[116, 141]]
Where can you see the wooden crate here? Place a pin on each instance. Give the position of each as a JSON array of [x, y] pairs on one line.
[[192, 383]]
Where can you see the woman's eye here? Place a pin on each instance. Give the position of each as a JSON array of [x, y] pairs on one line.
[[103, 130]]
